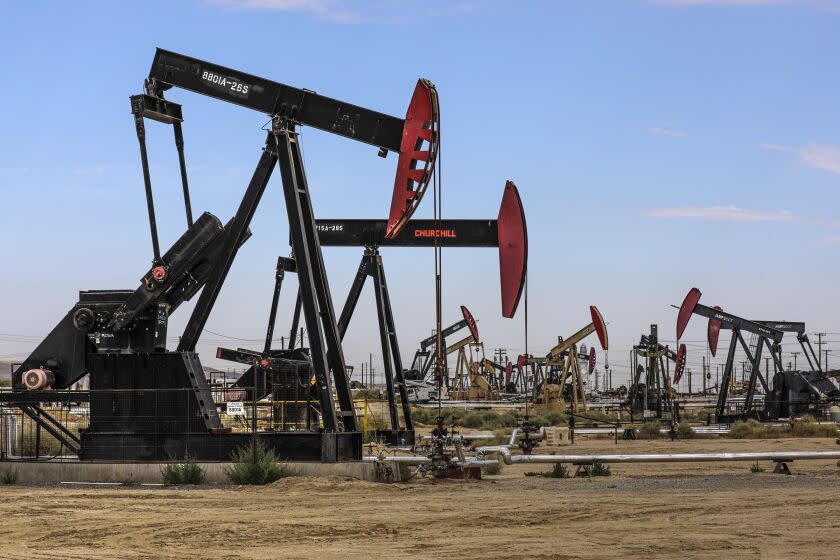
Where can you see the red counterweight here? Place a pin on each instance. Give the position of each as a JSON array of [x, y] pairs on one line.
[[418, 152], [513, 249]]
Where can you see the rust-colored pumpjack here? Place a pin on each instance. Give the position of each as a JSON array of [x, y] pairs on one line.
[[565, 355], [468, 382]]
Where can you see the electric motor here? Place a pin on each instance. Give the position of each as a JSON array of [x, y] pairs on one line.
[[36, 379]]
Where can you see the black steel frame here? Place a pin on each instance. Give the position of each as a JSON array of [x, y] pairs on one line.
[[767, 336], [371, 266]]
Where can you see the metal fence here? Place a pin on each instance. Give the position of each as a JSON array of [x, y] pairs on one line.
[[126, 422]]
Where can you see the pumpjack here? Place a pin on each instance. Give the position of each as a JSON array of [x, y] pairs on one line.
[[508, 232], [565, 358], [473, 377], [793, 392], [421, 365], [149, 402], [653, 395]]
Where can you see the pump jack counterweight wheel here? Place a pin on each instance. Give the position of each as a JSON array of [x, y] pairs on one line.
[[415, 165], [686, 309], [679, 367], [513, 249], [600, 327], [471, 324], [714, 332]]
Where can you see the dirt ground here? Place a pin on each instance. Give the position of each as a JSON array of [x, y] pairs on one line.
[[710, 510]]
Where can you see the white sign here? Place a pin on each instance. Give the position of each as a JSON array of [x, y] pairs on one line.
[[236, 408]]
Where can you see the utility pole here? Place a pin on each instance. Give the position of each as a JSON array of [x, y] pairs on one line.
[[688, 371], [795, 354], [704, 375], [820, 343], [826, 358], [370, 368], [767, 377]]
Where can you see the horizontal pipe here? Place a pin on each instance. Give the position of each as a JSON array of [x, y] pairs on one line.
[[476, 463], [464, 437], [510, 459], [421, 460], [405, 459]]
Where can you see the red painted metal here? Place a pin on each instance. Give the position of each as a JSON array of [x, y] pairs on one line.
[[36, 379], [471, 324], [714, 332], [686, 309], [513, 249], [600, 327], [418, 151], [679, 367], [521, 361], [159, 273], [591, 359], [508, 373]]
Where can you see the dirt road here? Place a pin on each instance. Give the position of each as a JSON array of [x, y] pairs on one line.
[[649, 511]]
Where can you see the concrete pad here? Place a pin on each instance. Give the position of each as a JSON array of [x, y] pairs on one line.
[[76, 471]]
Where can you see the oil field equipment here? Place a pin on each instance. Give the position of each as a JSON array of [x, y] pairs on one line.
[[508, 233], [652, 395], [793, 392], [148, 402], [799, 392], [470, 382], [563, 361], [420, 387]]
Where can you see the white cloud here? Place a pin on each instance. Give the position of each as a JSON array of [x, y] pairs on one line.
[[661, 131], [347, 11], [326, 9], [729, 213], [818, 156]]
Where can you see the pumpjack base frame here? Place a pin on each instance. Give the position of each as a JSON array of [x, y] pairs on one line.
[[288, 446], [401, 437]]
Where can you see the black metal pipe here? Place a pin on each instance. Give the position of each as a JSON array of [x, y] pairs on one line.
[[179, 145], [147, 181]]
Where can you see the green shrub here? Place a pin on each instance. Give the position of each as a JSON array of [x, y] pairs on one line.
[[600, 469], [804, 427], [807, 426], [188, 472], [558, 470], [257, 464], [755, 468], [492, 469], [555, 418], [9, 476], [751, 429], [649, 430], [405, 472], [539, 421], [684, 431]]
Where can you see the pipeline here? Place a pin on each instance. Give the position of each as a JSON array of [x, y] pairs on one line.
[[780, 456], [421, 460]]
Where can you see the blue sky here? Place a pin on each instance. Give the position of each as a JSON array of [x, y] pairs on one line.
[[657, 145]]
